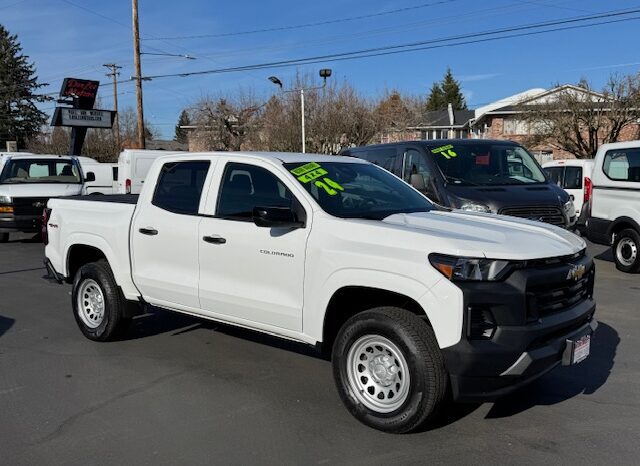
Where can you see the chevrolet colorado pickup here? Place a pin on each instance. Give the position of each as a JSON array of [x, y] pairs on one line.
[[410, 300]]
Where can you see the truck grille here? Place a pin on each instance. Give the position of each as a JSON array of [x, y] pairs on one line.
[[547, 214], [550, 298], [25, 205]]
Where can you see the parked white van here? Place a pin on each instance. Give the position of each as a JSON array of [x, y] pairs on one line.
[[615, 206], [133, 166], [106, 176], [575, 177]]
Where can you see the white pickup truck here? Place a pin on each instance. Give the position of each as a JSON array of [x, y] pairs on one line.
[[411, 300]]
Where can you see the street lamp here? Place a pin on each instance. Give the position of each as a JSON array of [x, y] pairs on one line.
[[324, 74]]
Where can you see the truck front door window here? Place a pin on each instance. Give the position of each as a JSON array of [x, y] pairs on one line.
[[245, 187]]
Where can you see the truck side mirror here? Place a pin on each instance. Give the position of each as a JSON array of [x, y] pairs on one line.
[[90, 176], [275, 217], [417, 181]]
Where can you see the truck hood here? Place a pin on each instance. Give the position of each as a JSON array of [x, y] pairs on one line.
[[40, 189], [489, 235]]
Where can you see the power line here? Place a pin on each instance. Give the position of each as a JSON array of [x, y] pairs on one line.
[[462, 39], [306, 25]]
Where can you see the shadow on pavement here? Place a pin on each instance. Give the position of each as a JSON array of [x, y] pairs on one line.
[[34, 239], [606, 255], [565, 382], [5, 324]]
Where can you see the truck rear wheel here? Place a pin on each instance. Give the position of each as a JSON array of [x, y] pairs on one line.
[[626, 251], [389, 370], [98, 305]]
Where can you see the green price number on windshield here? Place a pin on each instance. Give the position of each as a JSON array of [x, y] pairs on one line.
[[446, 151], [331, 187]]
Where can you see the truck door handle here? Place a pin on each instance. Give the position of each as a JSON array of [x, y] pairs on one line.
[[214, 239], [148, 231]]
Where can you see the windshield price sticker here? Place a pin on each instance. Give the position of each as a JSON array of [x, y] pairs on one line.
[[312, 175], [305, 168], [312, 171], [330, 186], [447, 151]]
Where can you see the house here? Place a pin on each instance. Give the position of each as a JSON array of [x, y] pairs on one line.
[[438, 124], [504, 119]]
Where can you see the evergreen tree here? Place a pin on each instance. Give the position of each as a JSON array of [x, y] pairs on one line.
[[181, 133], [446, 92], [436, 98], [20, 119]]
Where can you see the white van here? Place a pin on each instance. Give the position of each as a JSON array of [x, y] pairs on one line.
[[133, 166], [615, 206], [106, 176], [574, 176]]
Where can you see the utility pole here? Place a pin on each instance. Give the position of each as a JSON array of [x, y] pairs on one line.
[[304, 139], [138, 71], [116, 125]]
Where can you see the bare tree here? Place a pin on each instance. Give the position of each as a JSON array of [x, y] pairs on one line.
[[226, 123], [578, 119]]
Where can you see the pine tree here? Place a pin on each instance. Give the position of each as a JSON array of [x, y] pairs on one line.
[[181, 133], [20, 119], [446, 92]]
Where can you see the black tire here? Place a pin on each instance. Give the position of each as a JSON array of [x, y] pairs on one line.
[[114, 321], [626, 251], [417, 344], [4, 237]]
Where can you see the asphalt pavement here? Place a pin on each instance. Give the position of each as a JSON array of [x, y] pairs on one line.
[[179, 390]]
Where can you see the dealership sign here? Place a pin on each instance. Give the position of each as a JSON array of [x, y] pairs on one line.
[[83, 118]]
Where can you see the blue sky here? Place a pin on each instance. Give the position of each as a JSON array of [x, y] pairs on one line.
[[75, 37]]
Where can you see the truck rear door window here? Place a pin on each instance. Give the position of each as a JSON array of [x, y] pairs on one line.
[[180, 185]]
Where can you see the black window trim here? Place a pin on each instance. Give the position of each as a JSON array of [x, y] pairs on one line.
[[294, 200], [616, 179], [204, 186]]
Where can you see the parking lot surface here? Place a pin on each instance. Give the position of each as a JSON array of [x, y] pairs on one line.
[[179, 390]]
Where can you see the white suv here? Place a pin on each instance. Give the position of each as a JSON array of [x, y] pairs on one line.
[[615, 207]]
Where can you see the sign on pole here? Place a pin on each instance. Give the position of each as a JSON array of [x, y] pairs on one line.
[[83, 118]]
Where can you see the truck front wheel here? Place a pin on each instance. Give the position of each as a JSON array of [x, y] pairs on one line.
[[4, 237], [98, 305], [626, 251], [389, 370]]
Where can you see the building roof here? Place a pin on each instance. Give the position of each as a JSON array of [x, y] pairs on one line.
[[508, 101], [163, 144], [440, 119]]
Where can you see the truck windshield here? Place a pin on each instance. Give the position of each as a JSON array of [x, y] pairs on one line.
[[357, 190], [18, 171], [486, 164]]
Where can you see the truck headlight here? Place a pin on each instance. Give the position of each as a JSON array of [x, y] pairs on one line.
[[471, 269], [473, 207], [5, 199]]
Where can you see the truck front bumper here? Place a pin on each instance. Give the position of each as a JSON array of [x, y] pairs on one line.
[[20, 223], [518, 330]]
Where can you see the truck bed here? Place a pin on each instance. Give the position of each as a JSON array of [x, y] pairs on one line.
[[117, 198]]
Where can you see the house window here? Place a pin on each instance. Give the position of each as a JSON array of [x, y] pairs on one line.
[[515, 126]]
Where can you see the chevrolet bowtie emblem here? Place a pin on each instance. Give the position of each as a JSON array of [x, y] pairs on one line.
[[38, 204], [576, 272]]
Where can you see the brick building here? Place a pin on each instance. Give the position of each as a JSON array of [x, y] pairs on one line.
[[502, 120]]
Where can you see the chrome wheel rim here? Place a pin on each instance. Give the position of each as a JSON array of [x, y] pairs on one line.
[[90, 303], [626, 251], [378, 373]]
